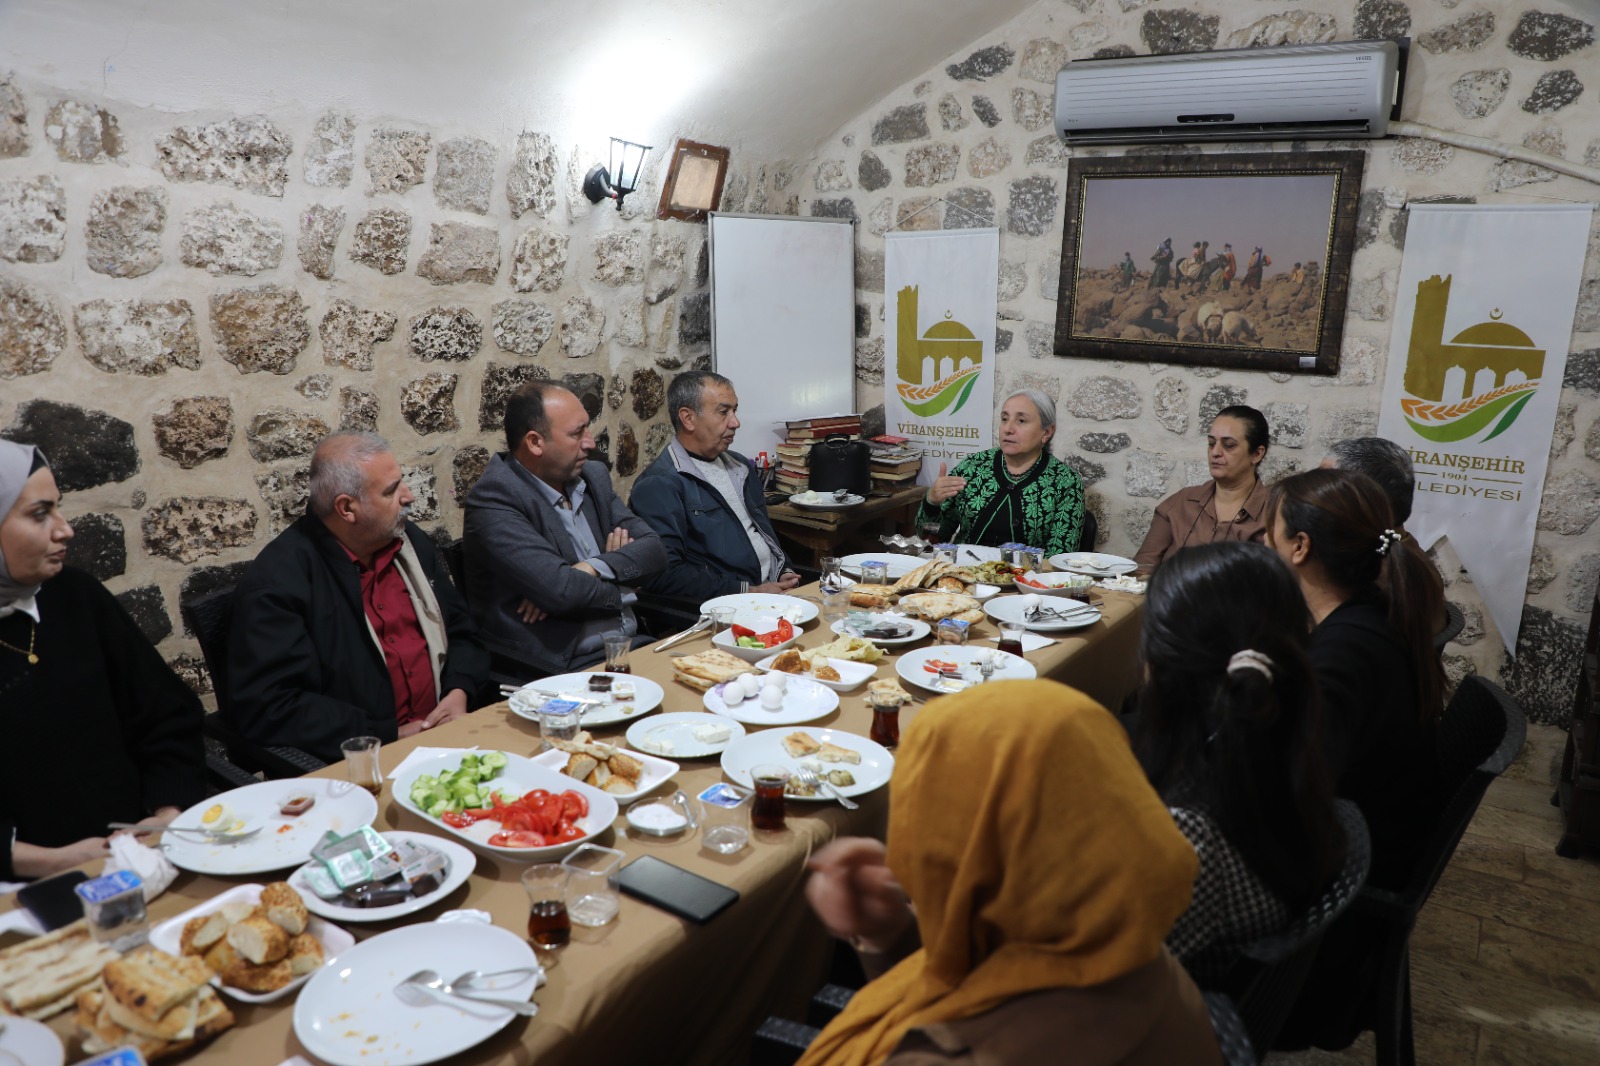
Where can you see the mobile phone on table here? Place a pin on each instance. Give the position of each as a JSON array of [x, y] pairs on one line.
[[52, 901], [674, 889]]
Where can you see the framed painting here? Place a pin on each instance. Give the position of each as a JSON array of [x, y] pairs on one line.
[[1216, 260]]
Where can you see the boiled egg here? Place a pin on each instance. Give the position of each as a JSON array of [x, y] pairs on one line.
[[219, 818], [772, 698]]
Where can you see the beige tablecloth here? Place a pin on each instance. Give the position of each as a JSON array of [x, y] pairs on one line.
[[650, 984]]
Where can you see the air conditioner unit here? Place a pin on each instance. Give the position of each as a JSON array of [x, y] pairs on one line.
[[1348, 89]]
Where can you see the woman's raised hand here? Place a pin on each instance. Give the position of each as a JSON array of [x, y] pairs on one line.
[[944, 486]]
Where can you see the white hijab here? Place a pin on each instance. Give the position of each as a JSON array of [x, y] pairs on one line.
[[17, 464]]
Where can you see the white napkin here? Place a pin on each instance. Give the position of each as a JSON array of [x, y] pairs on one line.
[[20, 921], [420, 754], [1030, 641], [155, 870]]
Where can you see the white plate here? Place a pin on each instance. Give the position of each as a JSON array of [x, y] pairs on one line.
[[724, 641], [1095, 564], [899, 565], [677, 728], [851, 673], [795, 609], [30, 1043], [967, 554], [350, 1015], [1009, 609], [168, 935], [804, 700], [874, 770], [919, 628], [1055, 582], [340, 806], [1011, 667], [462, 863], [647, 696], [656, 771], [980, 591], [825, 501], [520, 775]]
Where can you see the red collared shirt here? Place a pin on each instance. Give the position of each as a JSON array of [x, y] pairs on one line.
[[387, 603]]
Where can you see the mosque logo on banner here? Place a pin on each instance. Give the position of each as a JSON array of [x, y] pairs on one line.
[[946, 352], [1472, 388]]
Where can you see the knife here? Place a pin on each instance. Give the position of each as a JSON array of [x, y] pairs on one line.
[[698, 627]]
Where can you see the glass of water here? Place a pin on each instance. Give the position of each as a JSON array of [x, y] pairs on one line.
[[559, 720], [724, 818]]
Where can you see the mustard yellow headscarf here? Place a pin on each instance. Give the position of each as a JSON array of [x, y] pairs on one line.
[[1035, 852]]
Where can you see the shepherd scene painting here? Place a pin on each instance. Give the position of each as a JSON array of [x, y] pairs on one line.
[[1232, 261]]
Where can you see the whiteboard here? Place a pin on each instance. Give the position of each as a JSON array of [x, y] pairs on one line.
[[783, 305]]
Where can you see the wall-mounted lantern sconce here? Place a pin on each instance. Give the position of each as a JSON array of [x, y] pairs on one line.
[[627, 160]]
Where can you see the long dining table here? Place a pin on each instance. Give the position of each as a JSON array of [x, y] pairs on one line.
[[648, 982]]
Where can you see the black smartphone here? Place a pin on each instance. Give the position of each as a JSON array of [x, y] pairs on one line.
[[52, 902], [674, 889]]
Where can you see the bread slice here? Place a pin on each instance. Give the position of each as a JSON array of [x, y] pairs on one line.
[[252, 977], [237, 910], [873, 597], [599, 777], [833, 753], [712, 667], [285, 908], [887, 687], [580, 766], [199, 934], [824, 672], [39, 977], [259, 939], [220, 956], [790, 661], [150, 982], [627, 768], [305, 954], [799, 745], [176, 1024]]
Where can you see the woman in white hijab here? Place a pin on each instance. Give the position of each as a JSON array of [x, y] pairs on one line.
[[95, 726]]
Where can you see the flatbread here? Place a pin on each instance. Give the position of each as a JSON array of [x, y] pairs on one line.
[[936, 606], [706, 668], [38, 978]]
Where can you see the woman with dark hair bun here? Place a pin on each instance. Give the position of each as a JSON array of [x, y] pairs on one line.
[[1372, 650], [1227, 733], [1230, 506]]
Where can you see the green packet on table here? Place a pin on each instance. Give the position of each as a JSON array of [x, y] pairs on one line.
[[367, 870]]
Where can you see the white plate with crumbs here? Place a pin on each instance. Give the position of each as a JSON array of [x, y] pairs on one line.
[[462, 863], [683, 734], [284, 841], [872, 772], [349, 1014], [31, 1043]]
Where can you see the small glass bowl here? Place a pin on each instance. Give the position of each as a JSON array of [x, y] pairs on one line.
[[678, 802]]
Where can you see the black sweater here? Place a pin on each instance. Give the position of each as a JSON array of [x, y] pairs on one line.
[[99, 730]]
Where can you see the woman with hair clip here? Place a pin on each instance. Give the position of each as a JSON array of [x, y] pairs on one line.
[[1229, 506], [1372, 650], [1227, 733], [81, 688]]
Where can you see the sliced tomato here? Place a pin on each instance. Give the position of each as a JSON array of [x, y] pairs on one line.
[[575, 804], [516, 818], [569, 833], [537, 793], [517, 839], [457, 821]]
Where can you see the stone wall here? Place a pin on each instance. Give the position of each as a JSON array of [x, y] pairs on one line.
[[970, 143], [187, 303]]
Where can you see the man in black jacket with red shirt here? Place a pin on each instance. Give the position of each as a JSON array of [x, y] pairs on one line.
[[347, 624]]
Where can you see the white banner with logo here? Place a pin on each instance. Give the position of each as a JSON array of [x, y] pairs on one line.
[[938, 348], [1479, 347]]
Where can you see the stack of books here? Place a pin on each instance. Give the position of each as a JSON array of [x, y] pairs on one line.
[[794, 454], [895, 463]]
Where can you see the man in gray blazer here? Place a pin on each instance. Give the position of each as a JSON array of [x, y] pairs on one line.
[[551, 551]]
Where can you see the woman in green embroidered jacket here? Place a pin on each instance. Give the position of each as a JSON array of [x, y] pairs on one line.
[[1017, 492]]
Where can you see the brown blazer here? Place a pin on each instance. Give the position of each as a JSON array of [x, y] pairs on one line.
[[1153, 1016], [1189, 516]]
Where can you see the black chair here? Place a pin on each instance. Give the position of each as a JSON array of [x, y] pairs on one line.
[[210, 619], [1088, 532], [1232, 1038], [1265, 985], [1454, 622], [1482, 731]]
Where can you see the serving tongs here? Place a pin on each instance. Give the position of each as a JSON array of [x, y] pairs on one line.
[[699, 627]]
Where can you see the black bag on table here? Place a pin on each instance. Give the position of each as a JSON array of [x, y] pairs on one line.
[[841, 463]]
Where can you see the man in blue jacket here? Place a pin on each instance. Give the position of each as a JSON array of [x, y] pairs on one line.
[[706, 501], [552, 553]]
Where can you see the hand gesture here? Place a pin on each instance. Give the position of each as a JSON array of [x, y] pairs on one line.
[[855, 894], [617, 539], [944, 486]]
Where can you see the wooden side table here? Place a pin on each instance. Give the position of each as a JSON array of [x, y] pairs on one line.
[[823, 532]]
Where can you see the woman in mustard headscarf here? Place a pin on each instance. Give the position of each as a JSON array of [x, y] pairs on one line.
[[1040, 873]]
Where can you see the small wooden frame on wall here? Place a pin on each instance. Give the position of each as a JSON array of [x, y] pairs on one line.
[[693, 188], [1209, 260]]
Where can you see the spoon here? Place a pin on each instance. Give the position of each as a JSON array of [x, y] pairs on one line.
[[215, 835], [422, 988], [471, 978]]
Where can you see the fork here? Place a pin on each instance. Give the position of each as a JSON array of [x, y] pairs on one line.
[[812, 779], [219, 836]]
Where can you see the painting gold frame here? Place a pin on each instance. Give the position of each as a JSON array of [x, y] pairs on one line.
[[1273, 301]]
